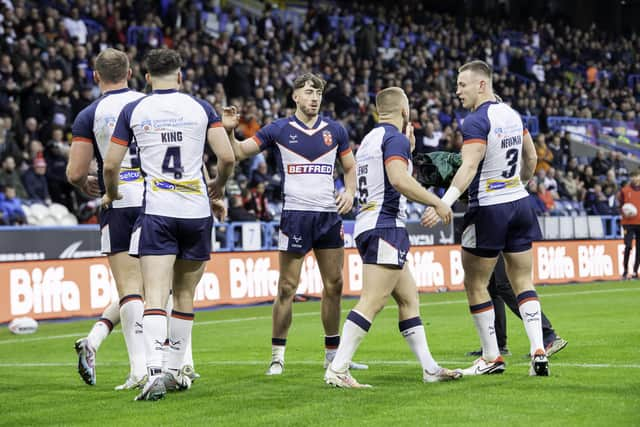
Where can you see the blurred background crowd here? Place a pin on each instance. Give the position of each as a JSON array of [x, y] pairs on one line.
[[235, 56]]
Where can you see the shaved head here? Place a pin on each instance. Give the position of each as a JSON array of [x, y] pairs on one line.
[[391, 101]]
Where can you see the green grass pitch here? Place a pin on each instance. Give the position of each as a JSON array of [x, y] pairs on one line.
[[594, 381]]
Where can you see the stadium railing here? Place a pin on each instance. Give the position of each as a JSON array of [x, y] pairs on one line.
[[612, 134]]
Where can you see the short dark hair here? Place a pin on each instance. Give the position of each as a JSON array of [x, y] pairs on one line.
[[161, 62], [477, 66], [317, 82], [112, 65]]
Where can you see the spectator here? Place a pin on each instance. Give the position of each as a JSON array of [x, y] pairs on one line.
[[556, 150], [600, 164], [550, 183], [547, 198], [545, 156], [538, 205], [56, 155], [35, 182], [75, 27], [259, 175], [571, 186], [596, 202], [238, 212], [11, 207], [257, 204], [588, 178], [9, 177]]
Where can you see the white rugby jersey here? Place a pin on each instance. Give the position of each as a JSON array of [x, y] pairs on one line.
[[170, 130], [498, 178], [306, 157], [95, 125], [379, 204]]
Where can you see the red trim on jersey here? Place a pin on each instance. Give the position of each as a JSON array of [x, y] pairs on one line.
[[396, 158], [257, 139], [474, 141], [215, 125], [345, 152], [81, 139], [119, 141]]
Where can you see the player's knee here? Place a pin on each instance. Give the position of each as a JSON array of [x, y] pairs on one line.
[[333, 288], [286, 289]]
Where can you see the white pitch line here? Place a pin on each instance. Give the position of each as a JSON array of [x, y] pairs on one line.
[[317, 362], [312, 313]]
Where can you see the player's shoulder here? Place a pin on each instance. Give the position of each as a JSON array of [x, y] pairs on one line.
[[280, 123], [89, 112]]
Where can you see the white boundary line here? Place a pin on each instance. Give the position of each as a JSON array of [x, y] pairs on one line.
[[313, 313], [319, 363]]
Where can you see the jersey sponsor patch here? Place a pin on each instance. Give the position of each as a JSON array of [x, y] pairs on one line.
[[327, 137], [499, 184], [306, 168], [193, 186], [128, 175]]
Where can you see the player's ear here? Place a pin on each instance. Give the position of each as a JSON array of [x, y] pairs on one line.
[[129, 73], [147, 78], [96, 77], [294, 95], [179, 77]]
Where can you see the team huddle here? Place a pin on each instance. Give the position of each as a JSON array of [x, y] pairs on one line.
[[159, 202]]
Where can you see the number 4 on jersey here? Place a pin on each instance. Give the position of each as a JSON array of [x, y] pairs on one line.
[[171, 162]]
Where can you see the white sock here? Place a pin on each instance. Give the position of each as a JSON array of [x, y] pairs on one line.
[[530, 311], [278, 346], [188, 354], [155, 334], [413, 332], [103, 327], [131, 312], [168, 308], [484, 318], [179, 338], [354, 330]]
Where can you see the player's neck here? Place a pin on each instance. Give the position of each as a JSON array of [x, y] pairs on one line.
[[108, 87], [484, 98], [396, 121], [308, 121]]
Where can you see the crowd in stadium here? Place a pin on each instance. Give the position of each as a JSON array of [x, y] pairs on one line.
[[231, 58]]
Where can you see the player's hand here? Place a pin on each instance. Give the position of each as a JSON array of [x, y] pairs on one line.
[[432, 215], [218, 209], [91, 187], [214, 189], [408, 131], [230, 118], [344, 201], [107, 199]]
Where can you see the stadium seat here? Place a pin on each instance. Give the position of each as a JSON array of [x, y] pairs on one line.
[[566, 227], [551, 227], [596, 228], [58, 211], [580, 227]]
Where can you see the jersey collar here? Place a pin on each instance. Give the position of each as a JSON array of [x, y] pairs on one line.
[[315, 125], [116, 91], [163, 91]]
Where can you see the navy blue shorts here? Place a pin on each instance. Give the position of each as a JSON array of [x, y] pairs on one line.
[[187, 238], [116, 227], [301, 231], [507, 227], [384, 246]]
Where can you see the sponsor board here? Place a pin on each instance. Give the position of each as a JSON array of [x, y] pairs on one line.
[[84, 287]]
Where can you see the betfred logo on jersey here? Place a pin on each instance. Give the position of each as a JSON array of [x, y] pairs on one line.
[[306, 168]]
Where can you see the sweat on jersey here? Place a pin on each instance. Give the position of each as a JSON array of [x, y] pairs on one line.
[[498, 177], [379, 204], [306, 157], [170, 130], [94, 125]]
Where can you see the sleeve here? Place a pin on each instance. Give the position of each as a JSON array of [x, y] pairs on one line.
[[267, 136], [475, 129], [344, 147], [213, 119], [396, 147], [122, 133], [82, 129]]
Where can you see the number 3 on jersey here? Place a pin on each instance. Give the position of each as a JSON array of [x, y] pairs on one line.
[[512, 160], [171, 162]]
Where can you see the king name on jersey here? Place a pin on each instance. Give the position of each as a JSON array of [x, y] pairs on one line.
[[171, 136]]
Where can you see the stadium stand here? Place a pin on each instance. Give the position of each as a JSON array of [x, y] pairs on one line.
[[576, 101]]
